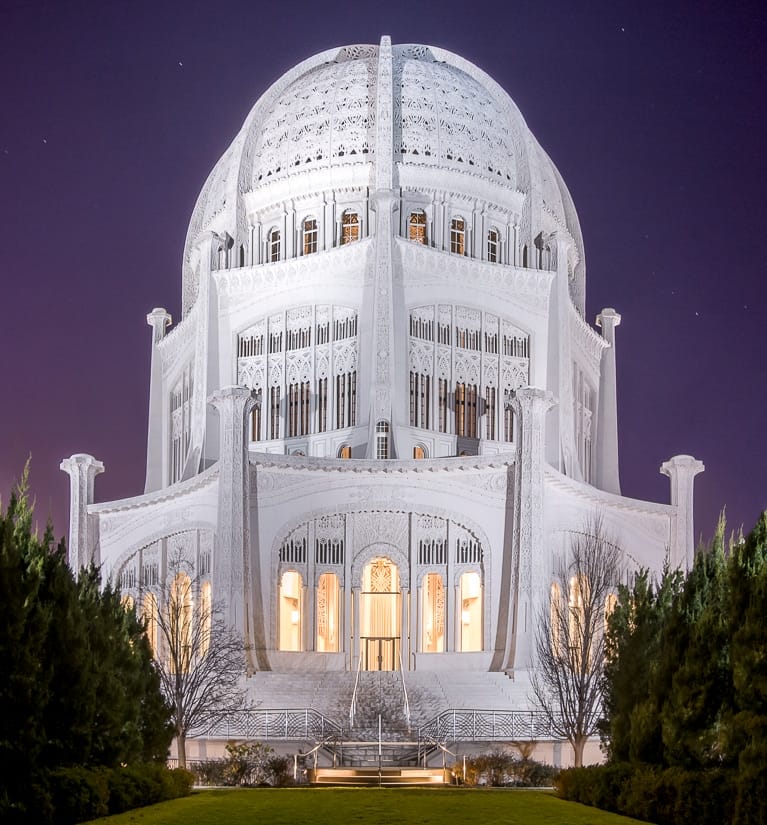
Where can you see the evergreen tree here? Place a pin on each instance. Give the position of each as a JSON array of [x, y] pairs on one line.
[[78, 685]]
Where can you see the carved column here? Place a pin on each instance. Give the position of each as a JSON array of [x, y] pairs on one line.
[[159, 320], [82, 470], [607, 453], [530, 406], [232, 558], [682, 469]]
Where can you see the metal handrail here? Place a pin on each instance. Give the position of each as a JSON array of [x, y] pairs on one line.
[[404, 691], [463, 724], [353, 705]]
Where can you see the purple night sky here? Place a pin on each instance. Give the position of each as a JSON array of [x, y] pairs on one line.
[[113, 113]]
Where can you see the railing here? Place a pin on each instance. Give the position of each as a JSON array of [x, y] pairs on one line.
[[353, 704], [299, 724], [487, 725], [404, 692]]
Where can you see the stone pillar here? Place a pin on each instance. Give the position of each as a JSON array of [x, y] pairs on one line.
[[562, 423], [682, 469], [607, 421], [530, 406], [82, 470], [159, 320], [232, 563]]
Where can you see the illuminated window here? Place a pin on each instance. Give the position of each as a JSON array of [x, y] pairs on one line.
[[298, 409], [419, 451], [150, 615], [579, 598], [555, 613], [328, 613], [291, 588], [420, 399], [350, 227], [310, 236], [382, 439], [180, 623], [274, 412], [127, 602], [471, 612], [433, 614], [490, 396], [206, 617], [273, 246], [493, 246], [322, 405], [466, 410], [443, 405], [345, 451], [416, 226], [458, 236]]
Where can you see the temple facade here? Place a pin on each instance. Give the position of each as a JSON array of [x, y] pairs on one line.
[[383, 413]]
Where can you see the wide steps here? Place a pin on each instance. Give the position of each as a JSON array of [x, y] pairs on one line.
[[387, 776]]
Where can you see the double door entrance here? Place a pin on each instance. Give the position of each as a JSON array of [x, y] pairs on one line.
[[380, 625]]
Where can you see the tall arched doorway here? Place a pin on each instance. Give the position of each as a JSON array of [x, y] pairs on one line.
[[380, 616]]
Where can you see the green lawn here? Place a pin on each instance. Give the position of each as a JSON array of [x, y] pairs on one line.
[[368, 806]]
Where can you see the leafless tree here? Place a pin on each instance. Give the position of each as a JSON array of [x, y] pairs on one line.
[[570, 636], [200, 658]]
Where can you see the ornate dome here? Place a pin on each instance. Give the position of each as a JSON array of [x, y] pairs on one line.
[[446, 114]]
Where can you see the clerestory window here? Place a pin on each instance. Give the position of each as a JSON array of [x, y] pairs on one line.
[[350, 227], [416, 226], [310, 236], [458, 236]]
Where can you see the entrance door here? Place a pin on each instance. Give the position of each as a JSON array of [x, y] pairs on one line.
[[380, 616]]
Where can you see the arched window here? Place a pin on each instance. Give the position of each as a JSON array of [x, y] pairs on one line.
[[150, 615], [291, 591], [310, 236], [416, 226], [328, 602], [206, 617], [350, 227], [273, 246], [345, 451], [180, 623], [458, 236], [493, 246], [382, 439], [419, 451], [555, 618], [127, 602], [433, 614], [471, 612], [579, 598]]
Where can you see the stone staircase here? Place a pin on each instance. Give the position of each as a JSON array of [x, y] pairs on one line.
[[429, 693]]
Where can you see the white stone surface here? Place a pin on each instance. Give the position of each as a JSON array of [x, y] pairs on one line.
[[335, 338]]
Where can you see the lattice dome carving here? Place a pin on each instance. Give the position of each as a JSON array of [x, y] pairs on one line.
[[325, 118]]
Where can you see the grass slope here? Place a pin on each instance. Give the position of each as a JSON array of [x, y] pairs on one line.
[[368, 806]]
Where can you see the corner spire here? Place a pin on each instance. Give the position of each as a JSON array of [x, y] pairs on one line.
[[384, 109]]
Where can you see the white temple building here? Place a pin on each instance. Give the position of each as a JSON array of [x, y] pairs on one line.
[[383, 413]]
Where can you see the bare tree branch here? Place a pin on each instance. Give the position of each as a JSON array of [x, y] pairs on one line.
[[200, 659], [570, 636]]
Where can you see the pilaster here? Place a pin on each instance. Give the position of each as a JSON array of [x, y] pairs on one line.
[[607, 455], [232, 568], [530, 406], [682, 469], [562, 424], [82, 470], [159, 320]]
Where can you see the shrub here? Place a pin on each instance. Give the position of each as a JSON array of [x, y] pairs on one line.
[[79, 794]]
